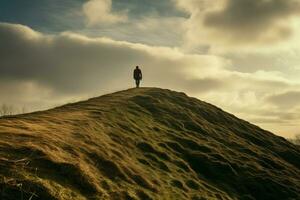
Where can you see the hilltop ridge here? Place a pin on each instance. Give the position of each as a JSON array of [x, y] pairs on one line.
[[140, 144]]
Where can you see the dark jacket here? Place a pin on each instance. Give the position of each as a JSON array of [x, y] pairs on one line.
[[137, 74]]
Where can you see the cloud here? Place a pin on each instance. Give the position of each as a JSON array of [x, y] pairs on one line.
[[71, 64], [99, 12], [45, 70], [286, 100], [203, 85], [253, 20], [239, 22]]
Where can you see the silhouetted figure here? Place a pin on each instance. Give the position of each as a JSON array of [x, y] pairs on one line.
[[137, 75]]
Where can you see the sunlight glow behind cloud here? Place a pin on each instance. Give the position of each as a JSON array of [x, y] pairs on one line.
[[100, 12]]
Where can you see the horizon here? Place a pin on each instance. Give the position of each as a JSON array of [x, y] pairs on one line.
[[242, 56]]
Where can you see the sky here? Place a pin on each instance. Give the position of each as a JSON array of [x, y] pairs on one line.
[[240, 55]]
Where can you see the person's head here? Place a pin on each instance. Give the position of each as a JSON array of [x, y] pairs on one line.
[[137, 67]]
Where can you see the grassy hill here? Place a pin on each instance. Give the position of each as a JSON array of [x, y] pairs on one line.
[[142, 144]]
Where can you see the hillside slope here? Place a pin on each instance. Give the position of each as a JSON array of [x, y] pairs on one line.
[[142, 144]]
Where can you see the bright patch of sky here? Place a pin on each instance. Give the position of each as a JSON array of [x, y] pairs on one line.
[[54, 16]]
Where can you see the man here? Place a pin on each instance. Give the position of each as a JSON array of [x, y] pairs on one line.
[[137, 75]]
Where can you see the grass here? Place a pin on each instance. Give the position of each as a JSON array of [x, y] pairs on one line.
[[140, 144]]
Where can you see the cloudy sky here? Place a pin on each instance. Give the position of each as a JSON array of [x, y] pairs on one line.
[[241, 55]]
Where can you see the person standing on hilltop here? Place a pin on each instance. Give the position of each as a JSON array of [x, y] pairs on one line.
[[137, 75]]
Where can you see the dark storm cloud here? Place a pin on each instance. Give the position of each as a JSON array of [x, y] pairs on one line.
[[253, 19], [287, 100]]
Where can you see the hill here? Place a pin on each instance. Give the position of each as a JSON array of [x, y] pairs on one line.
[[142, 144]]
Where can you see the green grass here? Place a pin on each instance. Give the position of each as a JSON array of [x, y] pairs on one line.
[[145, 143]]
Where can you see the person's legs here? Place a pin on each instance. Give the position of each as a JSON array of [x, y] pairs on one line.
[[137, 82]]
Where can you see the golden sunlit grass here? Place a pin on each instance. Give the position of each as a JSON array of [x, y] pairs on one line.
[[143, 144]]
